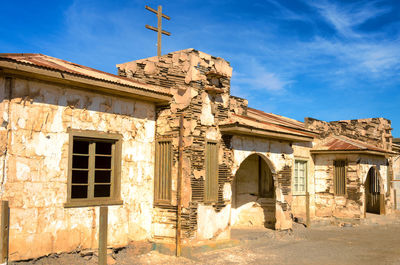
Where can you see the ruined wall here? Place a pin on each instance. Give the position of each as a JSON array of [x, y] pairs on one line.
[[3, 131], [396, 179], [381, 164], [37, 168], [200, 84], [250, 208], [301, 151], [339, 206], [279, 156], [376, 131], [351, 205]]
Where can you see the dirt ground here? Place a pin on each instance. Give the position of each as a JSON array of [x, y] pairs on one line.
[[372, 243]]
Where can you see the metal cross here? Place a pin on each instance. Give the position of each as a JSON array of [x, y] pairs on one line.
[[159, 30]]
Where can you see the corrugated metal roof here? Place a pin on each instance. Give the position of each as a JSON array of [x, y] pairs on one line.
[[264, 125], [274, 118], [342, 143], [51, 63]]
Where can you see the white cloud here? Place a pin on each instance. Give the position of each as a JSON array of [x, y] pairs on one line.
[[257, 77], [345, 18]]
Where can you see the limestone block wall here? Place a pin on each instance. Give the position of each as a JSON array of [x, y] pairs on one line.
[[279, 157], [396, 179], [34, 179], [200, 84], [327, 204], [3, 131], [301, 151], [376, 131], [351, 205], [381, 164]]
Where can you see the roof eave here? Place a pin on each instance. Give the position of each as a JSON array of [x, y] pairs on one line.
[[90, 83], [365, 151], [237, 129]]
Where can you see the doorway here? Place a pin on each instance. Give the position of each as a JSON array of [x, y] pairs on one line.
[[372, 192], [254, 194]]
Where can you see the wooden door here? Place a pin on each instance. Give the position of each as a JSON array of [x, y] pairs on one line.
[[372, 192]]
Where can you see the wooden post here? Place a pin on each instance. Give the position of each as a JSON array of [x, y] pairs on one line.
[[103, 225], [179, 202], [382, 204], [308, 222], [395, 199], [159, 18], [5, 224]]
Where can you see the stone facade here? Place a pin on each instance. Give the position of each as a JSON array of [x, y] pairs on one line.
[[352, 205], [200, 84], [37, 117]]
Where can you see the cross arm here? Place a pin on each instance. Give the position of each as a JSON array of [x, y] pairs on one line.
[[155, 11], [155, 29]]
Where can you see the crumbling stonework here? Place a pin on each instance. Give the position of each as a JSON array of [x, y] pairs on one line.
[[38, 116], [200, 84], [35, 128], [375, 131]]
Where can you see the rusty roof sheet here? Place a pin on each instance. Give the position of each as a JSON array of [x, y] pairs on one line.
[[343, 143], [55, 64], [265, 125], [276, 119]]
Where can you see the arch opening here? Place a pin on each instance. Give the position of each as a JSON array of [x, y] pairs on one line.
[[253, 196], [373, 192]]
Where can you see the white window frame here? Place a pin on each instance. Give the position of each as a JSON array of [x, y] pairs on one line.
[[305, 162]]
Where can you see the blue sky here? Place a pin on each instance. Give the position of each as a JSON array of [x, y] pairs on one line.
[[325, 59]]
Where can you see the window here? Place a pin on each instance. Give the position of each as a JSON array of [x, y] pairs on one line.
[[266, 187], [211, 180], [339, 181], [300, 177], [94, 169], [163, 165]]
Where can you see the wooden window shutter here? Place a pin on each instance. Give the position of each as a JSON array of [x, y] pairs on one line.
[[340, 177], [163, 166], [211, 180]]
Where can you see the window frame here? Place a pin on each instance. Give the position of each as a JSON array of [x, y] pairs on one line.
[[300, 193], [345, 177], [115, 192], [206, 175], [156, 199]]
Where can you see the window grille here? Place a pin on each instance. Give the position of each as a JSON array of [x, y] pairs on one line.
[[163, 167], [340, 177], [211, 179]]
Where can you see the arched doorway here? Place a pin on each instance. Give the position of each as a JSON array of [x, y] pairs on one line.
[[372, 192], [254, 194]]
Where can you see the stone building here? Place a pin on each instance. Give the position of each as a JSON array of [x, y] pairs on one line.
[[173, 154], [396, 173]]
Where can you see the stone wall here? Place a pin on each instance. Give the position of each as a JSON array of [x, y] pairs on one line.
[[351, 205], [279, 157], [327, 204], [35, 180], [375, 131], [200, 84], [396, 180], [301, 151]]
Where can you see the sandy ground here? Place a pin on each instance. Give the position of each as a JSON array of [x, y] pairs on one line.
[[373, 243]]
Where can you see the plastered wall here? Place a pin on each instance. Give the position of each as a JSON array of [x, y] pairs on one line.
[[37, 166]]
